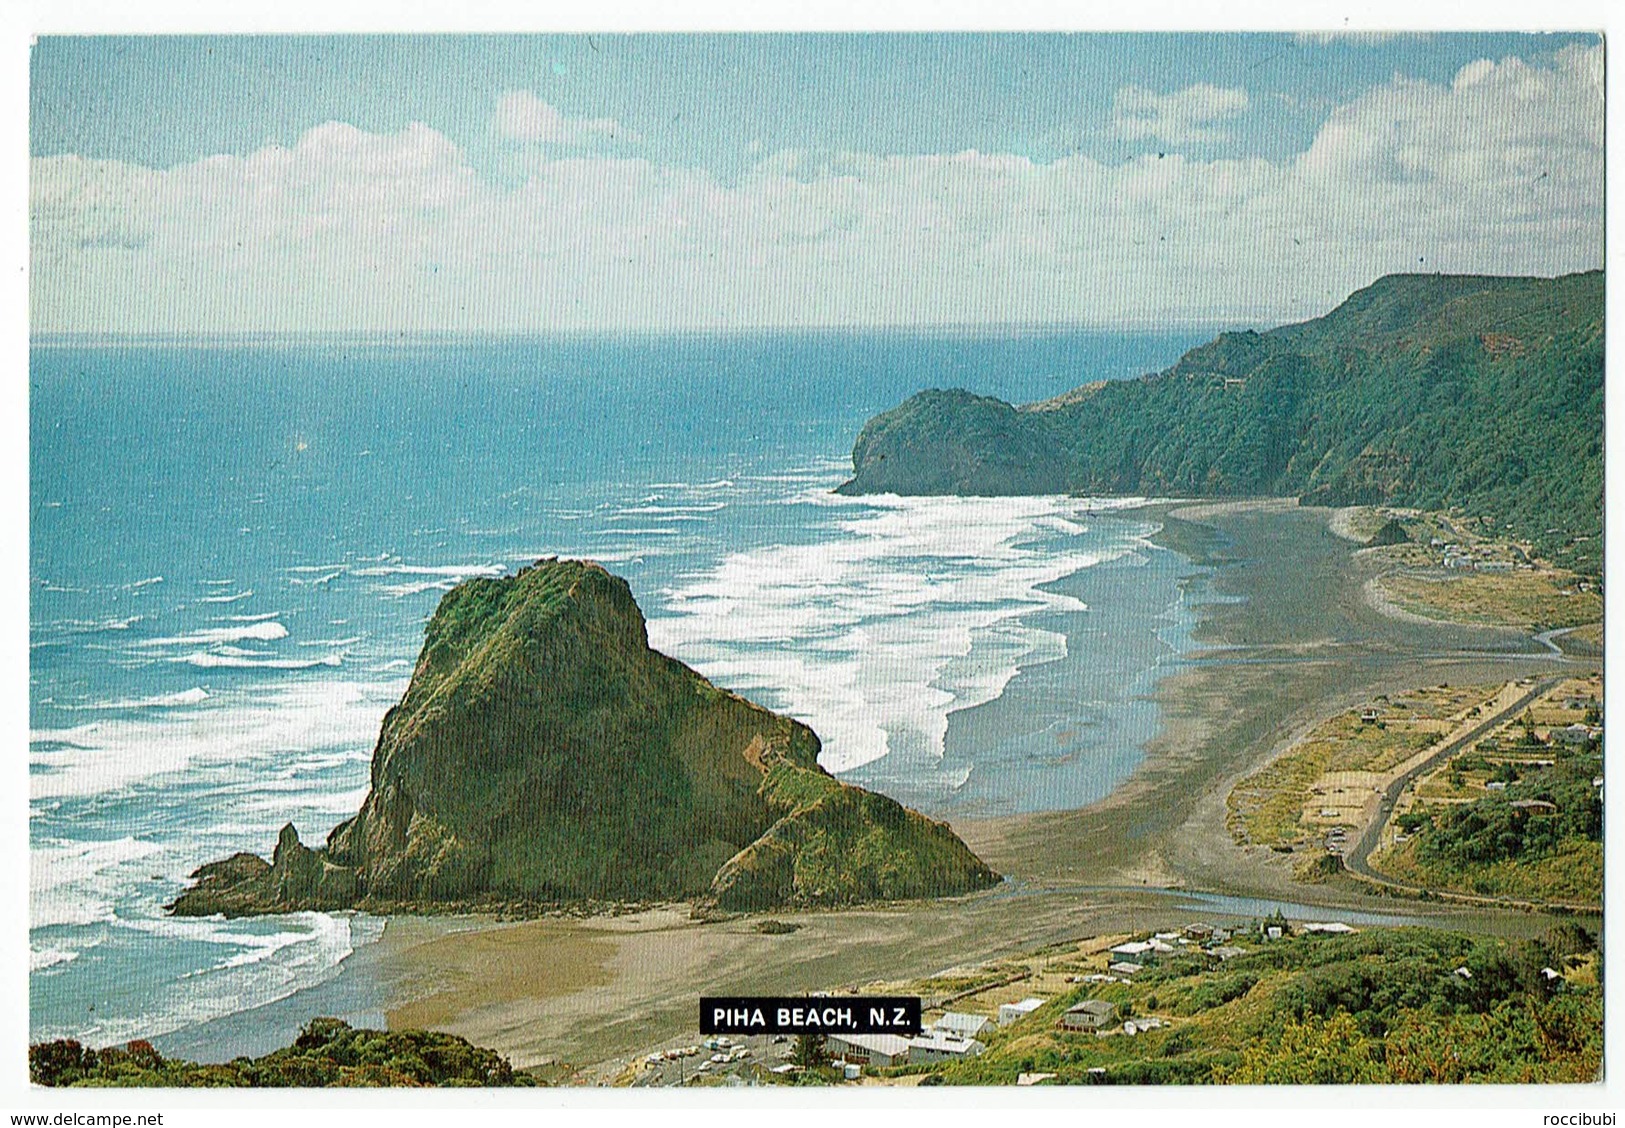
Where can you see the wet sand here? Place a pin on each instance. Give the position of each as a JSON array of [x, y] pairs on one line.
[[1289, 639]]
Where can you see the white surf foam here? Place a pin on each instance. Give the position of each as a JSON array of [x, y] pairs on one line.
[[247, 734], [205, 660], [266, 630], [227, 598], [194, 696], [904, 612]]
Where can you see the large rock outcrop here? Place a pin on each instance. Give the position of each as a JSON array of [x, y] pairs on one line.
[[543, 752]]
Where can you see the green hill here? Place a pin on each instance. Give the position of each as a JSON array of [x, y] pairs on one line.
[[544, 753], [1435, 391]]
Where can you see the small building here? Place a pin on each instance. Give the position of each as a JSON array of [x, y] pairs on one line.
[[1015, 1012], [1463, 973], [1132, 948], [868, 1049], [1091, 1014], [1124, 967], [1496, 785], [1369, 717], [1199, 931], [941, 1045], [964, 1025], [1575, 734], [1227, 952]]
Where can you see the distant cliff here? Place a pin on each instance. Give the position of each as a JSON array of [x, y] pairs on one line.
[[543, 752], [1435, 391]]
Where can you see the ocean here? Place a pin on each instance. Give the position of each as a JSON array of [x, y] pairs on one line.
[[235, 546]]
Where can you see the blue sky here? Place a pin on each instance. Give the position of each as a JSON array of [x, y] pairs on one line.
[[792, 179]]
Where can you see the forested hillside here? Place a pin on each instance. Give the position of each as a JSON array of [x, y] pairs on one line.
[[1478, 394]]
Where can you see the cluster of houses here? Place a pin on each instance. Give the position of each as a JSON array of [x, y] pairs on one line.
[[956, 1036], [953, 1037], [1455, 557]]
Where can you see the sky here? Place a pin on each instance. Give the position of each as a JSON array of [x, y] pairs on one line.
[[218, 185]]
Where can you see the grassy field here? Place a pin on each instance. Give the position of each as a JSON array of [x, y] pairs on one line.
[[1329, 776], [1535, 601], [1572, 875]]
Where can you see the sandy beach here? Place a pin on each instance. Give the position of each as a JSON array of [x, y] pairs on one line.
[[1288, 637]]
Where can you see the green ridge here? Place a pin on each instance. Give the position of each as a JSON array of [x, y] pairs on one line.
[[1435, 391]]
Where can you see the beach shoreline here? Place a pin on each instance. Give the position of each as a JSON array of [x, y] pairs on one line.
[[1285, 638]]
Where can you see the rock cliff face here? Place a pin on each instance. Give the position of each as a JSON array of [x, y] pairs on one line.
[[543, 752]]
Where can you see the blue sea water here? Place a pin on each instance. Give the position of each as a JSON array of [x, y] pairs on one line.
[[235, 548]]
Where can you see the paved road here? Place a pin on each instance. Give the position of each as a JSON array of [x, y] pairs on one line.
[[1357, 861]]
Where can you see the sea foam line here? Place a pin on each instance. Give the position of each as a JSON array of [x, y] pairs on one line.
[[906, 611]]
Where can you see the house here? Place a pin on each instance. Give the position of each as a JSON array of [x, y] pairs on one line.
[[1226, 952], [1091, 1014], [1123, 967], [964, 1025], [941, 1045], [868, 1049], [1132, 948], [1368, 717], [1015, 1012], [1272, 932], [1199, 931], [1496, 785], [1575, 734]]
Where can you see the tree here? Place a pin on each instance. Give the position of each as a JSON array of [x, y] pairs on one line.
[[810, 1051]]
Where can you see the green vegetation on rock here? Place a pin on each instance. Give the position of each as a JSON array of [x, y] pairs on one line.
[[544, 753], [328, 1053], [1435, 391]]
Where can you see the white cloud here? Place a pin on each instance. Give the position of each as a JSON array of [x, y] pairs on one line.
[[1497, 172], [521, 116], [1187, 116]]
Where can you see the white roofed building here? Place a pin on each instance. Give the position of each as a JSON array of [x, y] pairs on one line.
[[1015, 1012], [868, 1049], [964, 1025], [937, 1044]]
